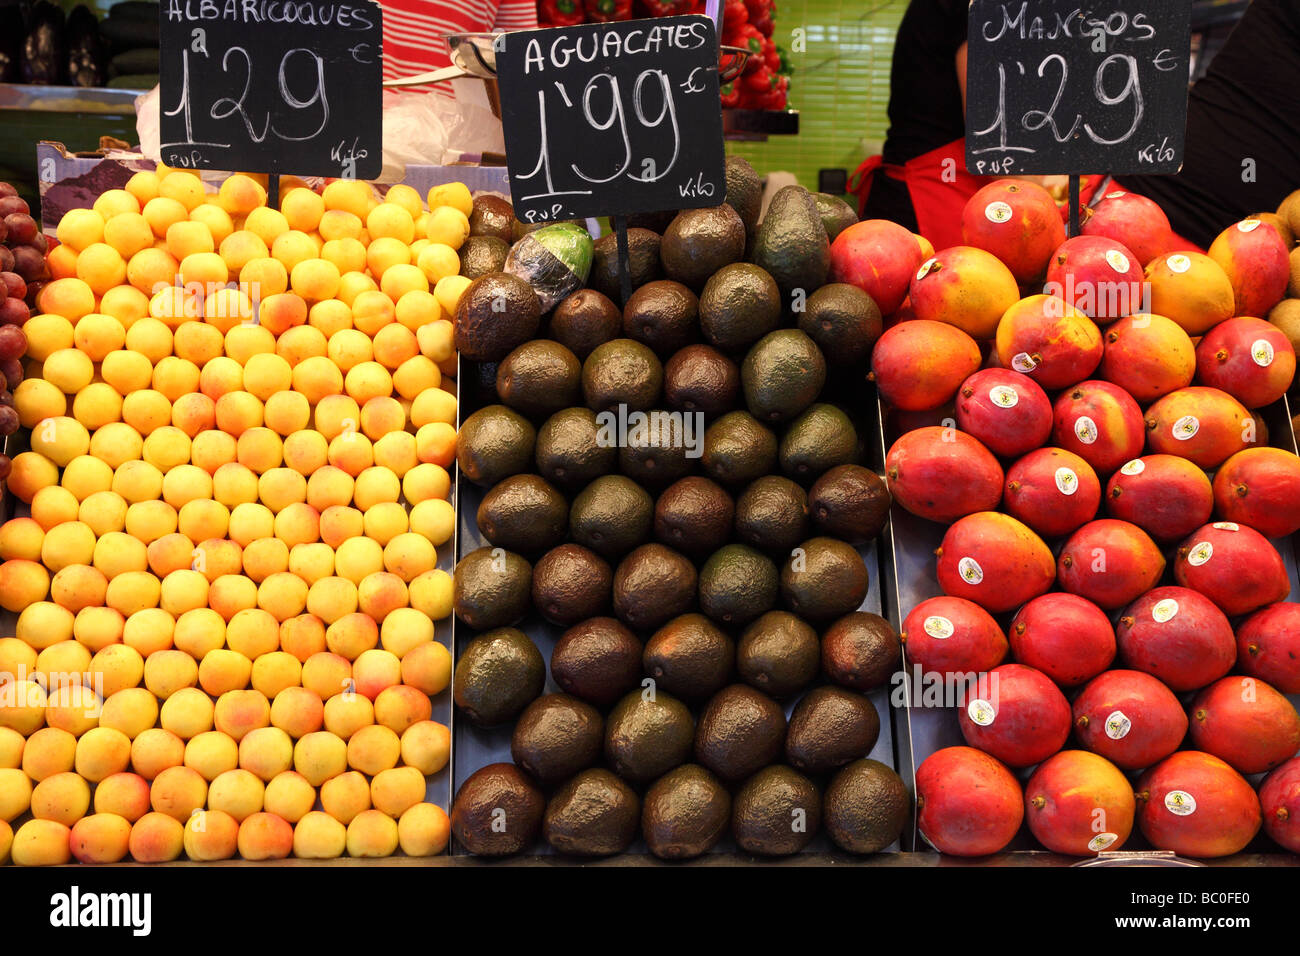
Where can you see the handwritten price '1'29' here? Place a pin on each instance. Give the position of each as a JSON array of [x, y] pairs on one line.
[[225, 106], [1034, 120], [617, 115]]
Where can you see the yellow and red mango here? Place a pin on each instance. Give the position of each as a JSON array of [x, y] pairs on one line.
[[1268, 646], [1130, 718], [1250, 359], [1017, 221], [995, 561], [1110, 563], [1065, 636], [1192, 289], [948, 635], [921, 364], [1177, 635], [942, 474], [879, 257], [1007, 411], [1246, 723], [1098, 276], [1148, 356], [1071, 796], [967, 803], [1050, 341], [1020, 717], [1196, 805], [1260, 487], [1279, 797], [1206, 426], [1052, 490], [1166, 496], [1234, 566], [1134, 221], [966, 287], [1255, 258], [1100, 423]]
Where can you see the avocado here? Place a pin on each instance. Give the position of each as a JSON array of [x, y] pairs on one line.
[[844, 322], [642, 260], [651, 585], [778, 654], [496, 312], [737, 584], [782, 375], [738, 449], [818, 440], [791, 242], [663, 315], [594, 814], [861, 650], [693, 515], [836, 214], [865, 807], [772, 514], [647, 734], [497, 811], [569, 452], [612, 515], [585, 320], [744, 192], [494, 443], [555, 260], [685, 813], [491, 588], [776, 812], [690, 657], [523, 513], [492, 216], [851, 503], [740, 304], [622, 372], [701, 379], [497, 676], [829, 727], [740, 732], [598, 660], [539, 378], [699, 242], [557, 736], [482, 254], [824, 579], [660, 452], [570, 584]]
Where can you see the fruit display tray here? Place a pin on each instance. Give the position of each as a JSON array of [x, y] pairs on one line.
[[908, 566], [475, 747]]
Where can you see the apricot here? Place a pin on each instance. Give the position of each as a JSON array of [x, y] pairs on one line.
[[43, 624], [311, 562], [384, 521], [398, 707], [318, 836], [305, 451], [345, 796], [154, 751], [156, 838], [186, 712], [338, 524], [373, 748], [381, 594], [183, 591], [41, 843], [319, 756], [265, 836], [21, 538], [275, 671], [11, 747], [372, 833], [211, 835], [303, 636], [286, 412], [252, 632], [289, 796], [426, 745], [100, 838], [397, 451], [351, 635], [102, 752], [49, 751], [115, 668], [230, 594], [297, 711], [124, 794], [23, 583], [117, 553], [326, 674], [98, 627], [236, 792], [427, 667], [224, 670], [346, 713], [131, 711], [63, 798], [373, 670], [424, 830], [15, 794]]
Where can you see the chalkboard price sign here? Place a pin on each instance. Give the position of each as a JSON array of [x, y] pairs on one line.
[[612, 118], [272, 86], [1063, 86]]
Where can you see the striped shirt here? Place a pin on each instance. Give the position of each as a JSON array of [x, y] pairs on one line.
[[415, 30]]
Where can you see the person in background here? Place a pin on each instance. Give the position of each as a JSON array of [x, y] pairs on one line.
[[1247, 106], [415, 31]]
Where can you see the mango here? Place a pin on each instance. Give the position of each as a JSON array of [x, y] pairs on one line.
[[1007, 411], [1250, 359], [1110, 563], [1130, 718], [1098, 276], [1018, 222], [1066, 637], [1279, 797], [1234, 566], [1020, 717], [1196, 805], [995, 561], [1147, 356], [1053, 491], [1100, 423], [1254, 256], [879, 257], [921, 364], [1134, 221], [1191, 289], [1050, 341], [942, 474], [1073, 794], [1166, 496], [1268, 646], [965, 287], [1206, 426], [967, 803], [1177, 635], [1246, 723]]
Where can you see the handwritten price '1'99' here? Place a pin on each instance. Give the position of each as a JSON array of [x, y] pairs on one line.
[[612, 120], [238, 64]]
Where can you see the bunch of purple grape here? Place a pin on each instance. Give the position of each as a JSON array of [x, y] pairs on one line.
[[22, 272]]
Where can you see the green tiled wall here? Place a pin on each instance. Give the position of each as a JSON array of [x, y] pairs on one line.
[[840, 86]]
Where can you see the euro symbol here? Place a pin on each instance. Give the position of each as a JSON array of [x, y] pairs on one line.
[[356, 55], [690, 86]]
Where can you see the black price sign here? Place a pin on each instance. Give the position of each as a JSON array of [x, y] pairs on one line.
[[272, 86], [612, 118], [1069, 87]]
